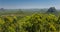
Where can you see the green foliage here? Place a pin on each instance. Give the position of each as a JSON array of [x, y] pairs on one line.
[[34, 23]]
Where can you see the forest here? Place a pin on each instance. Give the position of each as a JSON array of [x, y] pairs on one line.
[[30, 21]]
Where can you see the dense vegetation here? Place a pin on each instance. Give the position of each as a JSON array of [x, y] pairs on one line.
[[34, 23], [30, 21]]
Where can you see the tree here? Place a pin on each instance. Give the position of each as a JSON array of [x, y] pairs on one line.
[[20, 11]]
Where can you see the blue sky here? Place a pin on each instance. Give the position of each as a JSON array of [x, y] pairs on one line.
[[27, 4]]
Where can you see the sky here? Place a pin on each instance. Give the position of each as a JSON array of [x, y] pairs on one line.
[[28, 4]]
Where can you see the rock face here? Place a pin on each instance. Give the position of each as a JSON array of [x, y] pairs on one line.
[[2, 9], [51, 10]]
